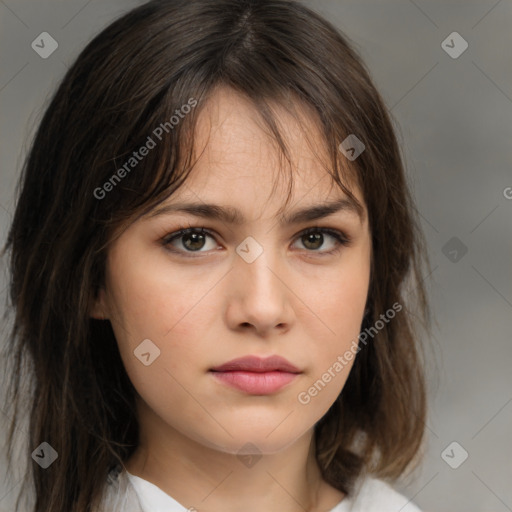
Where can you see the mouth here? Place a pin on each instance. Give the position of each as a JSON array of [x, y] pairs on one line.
[[256, 383], [256, 376]]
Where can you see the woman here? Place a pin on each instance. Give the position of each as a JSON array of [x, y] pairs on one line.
[[277, 367]]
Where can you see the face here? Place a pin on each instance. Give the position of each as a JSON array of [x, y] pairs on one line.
[[181, 306]]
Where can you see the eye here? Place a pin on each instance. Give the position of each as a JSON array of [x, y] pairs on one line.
[[192, 240], [313, 239]]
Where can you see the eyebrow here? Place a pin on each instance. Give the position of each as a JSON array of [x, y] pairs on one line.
[[232, 215]]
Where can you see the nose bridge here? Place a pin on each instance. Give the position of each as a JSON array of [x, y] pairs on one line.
[[257, 264], [259, 284]]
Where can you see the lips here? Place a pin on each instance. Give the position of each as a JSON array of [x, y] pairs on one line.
[[256, 376], [258, 365]]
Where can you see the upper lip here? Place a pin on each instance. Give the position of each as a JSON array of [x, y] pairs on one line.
[[258, 365]]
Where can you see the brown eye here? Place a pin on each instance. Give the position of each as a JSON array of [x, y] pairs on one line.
[[313, 239], [189, 240], [193, 241]]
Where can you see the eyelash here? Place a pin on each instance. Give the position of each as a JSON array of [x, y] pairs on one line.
[[342, 240]]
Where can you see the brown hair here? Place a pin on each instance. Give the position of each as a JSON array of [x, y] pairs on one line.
[[131, 78]]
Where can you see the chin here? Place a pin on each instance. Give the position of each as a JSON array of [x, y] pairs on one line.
[[254, 441]]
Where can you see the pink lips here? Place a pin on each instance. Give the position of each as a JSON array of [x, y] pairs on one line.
[[255, 375]]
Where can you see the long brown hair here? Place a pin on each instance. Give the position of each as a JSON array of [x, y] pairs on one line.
[[129, 80]]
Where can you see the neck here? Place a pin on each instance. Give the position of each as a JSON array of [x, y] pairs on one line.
[[210, 480]]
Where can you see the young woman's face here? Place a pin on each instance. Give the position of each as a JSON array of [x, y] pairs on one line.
[[180, 307]]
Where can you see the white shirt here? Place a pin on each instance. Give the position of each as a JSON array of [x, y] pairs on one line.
[[374, 496]]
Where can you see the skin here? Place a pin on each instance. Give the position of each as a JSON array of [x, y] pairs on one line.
[[207, 310]]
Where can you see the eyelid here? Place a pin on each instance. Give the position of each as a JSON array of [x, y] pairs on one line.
[[341, 237]]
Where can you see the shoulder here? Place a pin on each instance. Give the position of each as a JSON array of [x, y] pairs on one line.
[[374, 495]]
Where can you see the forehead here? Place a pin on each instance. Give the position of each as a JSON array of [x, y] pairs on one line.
[[234, 151]]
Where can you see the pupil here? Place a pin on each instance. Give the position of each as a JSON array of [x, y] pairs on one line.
[[314, 237], [195, 238]]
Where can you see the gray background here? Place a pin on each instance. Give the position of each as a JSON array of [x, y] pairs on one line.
[[454, 123]]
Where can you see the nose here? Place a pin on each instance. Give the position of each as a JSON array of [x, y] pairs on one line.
[[260, 296]]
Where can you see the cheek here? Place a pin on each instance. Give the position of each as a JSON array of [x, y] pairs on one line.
[[339, 300], [339, 308], [333, 340], [150, 300], [152, 304], [149, 313]]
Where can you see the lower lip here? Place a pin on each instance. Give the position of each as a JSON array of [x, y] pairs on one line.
[[256, 383]]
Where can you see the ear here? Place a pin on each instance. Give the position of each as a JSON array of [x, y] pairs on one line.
[[98, 306]]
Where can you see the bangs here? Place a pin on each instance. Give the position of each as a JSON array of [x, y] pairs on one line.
[[172, 151]]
